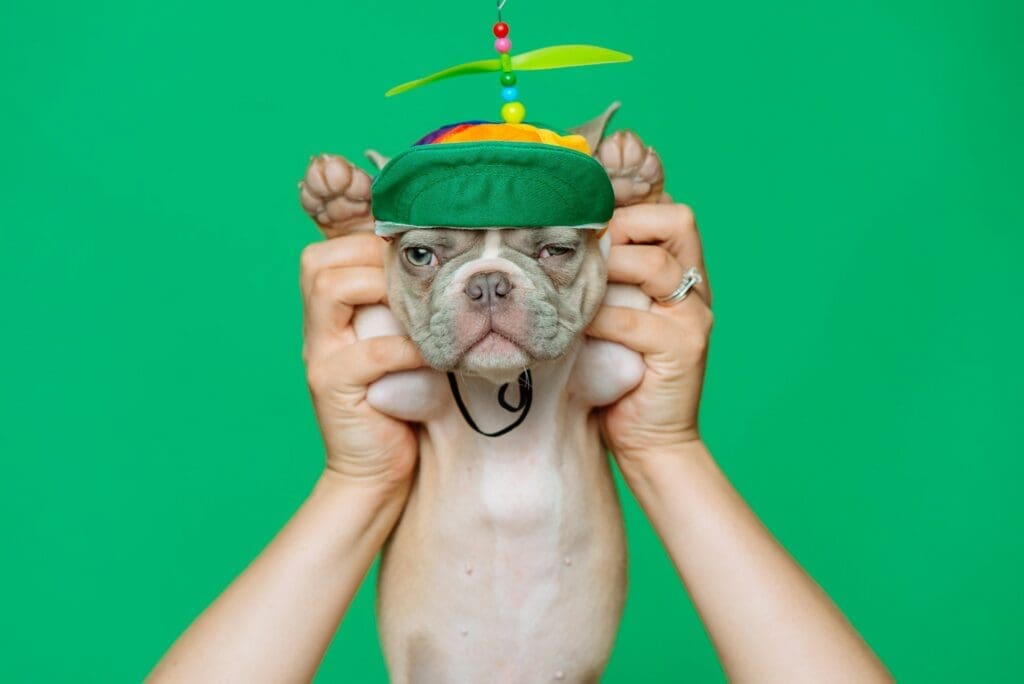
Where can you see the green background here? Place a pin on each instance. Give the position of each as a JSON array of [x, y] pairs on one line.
[[857, 172]]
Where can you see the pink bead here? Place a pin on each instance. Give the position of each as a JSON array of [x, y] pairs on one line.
[[503, 45]]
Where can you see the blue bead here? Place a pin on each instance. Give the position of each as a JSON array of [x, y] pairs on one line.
[[509, 94]]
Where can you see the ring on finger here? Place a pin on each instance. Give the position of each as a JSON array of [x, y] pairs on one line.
[[691, 278]]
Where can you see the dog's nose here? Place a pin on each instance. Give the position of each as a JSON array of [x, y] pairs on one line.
[[486, 289]]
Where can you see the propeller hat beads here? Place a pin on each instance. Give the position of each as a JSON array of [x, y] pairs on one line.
[[482, 175]]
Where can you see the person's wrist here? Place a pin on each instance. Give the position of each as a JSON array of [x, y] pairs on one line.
[[642, 466], [375, 492], [352, 517]]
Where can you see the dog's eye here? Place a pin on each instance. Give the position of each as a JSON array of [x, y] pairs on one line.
[[419, 256], [554, 250]]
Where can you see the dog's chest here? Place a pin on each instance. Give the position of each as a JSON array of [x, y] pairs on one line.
[[491, 574], [519, 493]]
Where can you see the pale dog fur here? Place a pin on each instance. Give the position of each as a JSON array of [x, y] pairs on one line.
[[508, 564]]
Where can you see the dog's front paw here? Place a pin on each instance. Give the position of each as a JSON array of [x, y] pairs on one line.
[[605, 371], [336, 194], [634, 169]]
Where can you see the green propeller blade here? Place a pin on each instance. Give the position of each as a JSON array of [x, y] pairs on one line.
[[554, 57], [478, 67], [562, 56]]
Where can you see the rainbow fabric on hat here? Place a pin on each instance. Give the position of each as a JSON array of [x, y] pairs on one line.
[[477, 175], [477, 131]]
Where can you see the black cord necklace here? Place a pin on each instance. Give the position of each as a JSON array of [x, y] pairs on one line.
[[525, 382]]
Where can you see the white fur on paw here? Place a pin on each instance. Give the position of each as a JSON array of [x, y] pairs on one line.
[[414, 395], [605, 371], [375, 320], [407, 395], [626, 295], [336, 194]]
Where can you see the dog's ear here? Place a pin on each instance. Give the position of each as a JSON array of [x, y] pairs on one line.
[[634, 169], [377, 159], [593, 130]]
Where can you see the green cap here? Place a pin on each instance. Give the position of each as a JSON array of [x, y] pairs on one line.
[[491, 184]]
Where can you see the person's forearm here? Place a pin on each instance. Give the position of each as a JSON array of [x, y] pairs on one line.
[[768, 620], [275, 621]]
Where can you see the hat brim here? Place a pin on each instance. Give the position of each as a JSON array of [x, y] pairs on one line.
[[476, 185]]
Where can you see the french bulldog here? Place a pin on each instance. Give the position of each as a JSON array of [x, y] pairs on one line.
[[509, 561]]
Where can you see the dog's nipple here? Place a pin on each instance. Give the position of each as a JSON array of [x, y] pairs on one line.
[[559, 674], [469, 569], [568, 561]]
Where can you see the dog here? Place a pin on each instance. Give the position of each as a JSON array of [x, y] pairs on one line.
[[509, 561]]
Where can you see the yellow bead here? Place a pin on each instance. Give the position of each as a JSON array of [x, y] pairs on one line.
[[513, 112]]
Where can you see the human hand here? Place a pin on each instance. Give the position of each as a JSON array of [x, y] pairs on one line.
[[652, 246], [362, 444]]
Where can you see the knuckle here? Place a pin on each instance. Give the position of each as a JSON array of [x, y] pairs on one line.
[[663, 258], [324, 361], [627, 319], [685, 215], [324, 284], [379, 352], [308, 258], [695, 318], [694, 343], [316, 375]]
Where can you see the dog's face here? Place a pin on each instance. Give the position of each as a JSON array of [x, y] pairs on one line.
[[492, 302]]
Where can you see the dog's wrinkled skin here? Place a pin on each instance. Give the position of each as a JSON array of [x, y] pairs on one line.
[[492, 303], [508, 564]]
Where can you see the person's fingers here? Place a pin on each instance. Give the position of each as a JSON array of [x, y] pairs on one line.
[[656, 223], [334, 294], [671, 225], [361, 363], [653, 334], [372, 359], [653, 268], [358, 249]]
